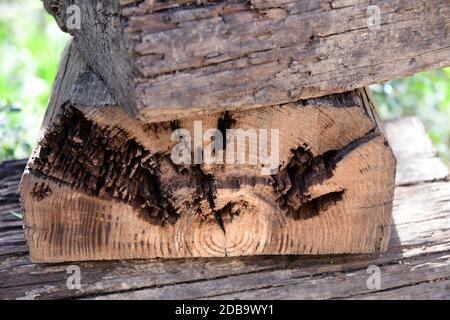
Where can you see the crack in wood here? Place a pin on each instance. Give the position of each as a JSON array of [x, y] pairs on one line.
[[304, 171], [85, 156]]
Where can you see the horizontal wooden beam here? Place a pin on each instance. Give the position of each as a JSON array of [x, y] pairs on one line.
[[166, 60], [419, 238], [101, 185]]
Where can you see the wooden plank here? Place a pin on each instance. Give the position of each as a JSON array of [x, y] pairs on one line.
[[298, 284], [12, 238], [418, 164], [438, 290], [101, 185], [164, 64], [415, 266], [189, 278]]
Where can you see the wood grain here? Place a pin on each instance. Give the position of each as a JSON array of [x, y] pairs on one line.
[[416, 265], [101, 185], [172, 59]]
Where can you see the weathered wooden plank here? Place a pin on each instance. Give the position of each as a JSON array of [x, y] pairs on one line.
[[12, 240], [415, 266], [165, 64], [438, 290], [298, 284], [421, 235], [418, 164]]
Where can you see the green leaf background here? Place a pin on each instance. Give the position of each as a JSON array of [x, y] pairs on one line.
[[30, 49]]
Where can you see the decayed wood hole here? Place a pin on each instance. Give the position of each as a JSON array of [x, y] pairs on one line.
[[84, 155], [41, 191]]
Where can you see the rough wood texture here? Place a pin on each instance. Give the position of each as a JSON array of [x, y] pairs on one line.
[[416, 266], [167, 59], [103, 186]]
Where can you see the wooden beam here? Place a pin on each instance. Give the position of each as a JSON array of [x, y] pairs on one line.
[[164, 60], [101, 185], [416, 265]]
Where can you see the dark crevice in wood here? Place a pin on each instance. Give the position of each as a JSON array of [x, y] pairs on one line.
[[406, 285], [172, 71], [232, 209], [156, 128], [337, 100], [219, 220], [411, 184], [105, 163], [380, 235], [41, 191], [292, 184], [318, 205], [225, 122], [207, 187], [170, 6]]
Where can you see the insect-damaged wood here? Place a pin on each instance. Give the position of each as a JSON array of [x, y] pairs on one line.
[[169, 59], [102, 185]]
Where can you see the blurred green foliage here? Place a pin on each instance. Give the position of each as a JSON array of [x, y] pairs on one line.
[[426, 95], [30, 47], [31, 44]]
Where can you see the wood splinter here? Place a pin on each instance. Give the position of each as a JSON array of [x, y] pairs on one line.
[[102, 185]]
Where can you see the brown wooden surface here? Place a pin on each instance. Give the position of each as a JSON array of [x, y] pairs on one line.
[[417, 264], [170, 59], [84, 194]]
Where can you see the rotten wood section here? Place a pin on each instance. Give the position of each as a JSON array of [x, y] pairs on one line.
[[169, 59], [101, 185], [416, 266]]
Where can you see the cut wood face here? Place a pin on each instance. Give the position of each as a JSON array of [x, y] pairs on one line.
[[165, 60], [102, 185]]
